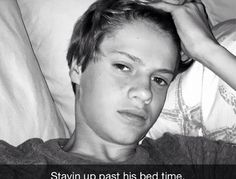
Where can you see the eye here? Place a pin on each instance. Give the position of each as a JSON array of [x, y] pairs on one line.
[[122, 67], [159, 81]]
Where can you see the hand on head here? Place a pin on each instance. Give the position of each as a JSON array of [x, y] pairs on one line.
[[191, 22]]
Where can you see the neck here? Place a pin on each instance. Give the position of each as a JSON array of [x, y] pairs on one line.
[[87, 143]]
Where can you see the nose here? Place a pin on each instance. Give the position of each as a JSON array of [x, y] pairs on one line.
[[140, 92]]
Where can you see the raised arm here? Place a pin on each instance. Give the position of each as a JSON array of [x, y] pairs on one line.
[[197, 39]]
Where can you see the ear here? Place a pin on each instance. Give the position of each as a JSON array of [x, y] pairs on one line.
[[75, 72]]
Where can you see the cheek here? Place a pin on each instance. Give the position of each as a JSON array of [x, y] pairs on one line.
[[101, 89], [90, 88]]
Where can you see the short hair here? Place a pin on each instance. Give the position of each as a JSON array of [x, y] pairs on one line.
[[105, 16]]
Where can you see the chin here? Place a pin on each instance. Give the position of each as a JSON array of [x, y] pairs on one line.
[[128, 139]]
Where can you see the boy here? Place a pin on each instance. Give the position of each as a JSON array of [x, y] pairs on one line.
[[123, 56]]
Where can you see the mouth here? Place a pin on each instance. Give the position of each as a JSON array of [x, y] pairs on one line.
[[133, 116]]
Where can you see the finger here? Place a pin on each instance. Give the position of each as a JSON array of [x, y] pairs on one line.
[[165, 6], [147, 1], [193, 1], [175, 2]]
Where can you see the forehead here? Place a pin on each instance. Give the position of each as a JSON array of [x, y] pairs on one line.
[[143, 40]]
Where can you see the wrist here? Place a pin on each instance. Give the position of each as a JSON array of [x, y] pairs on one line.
[[205, 52], [214, 56]]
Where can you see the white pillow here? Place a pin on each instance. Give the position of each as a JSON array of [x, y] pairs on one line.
[[199, 103], [49, 24], [26, 107]]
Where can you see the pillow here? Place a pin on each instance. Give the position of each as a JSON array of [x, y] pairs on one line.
[[199, 103], [26, 107], [49, 24]]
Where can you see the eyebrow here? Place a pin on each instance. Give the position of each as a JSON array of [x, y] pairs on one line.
[[132, 57], [138, 60]]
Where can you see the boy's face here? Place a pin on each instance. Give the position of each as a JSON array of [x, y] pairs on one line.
[[123, 92]]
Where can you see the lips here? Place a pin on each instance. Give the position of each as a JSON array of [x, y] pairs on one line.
[[134, 116]]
